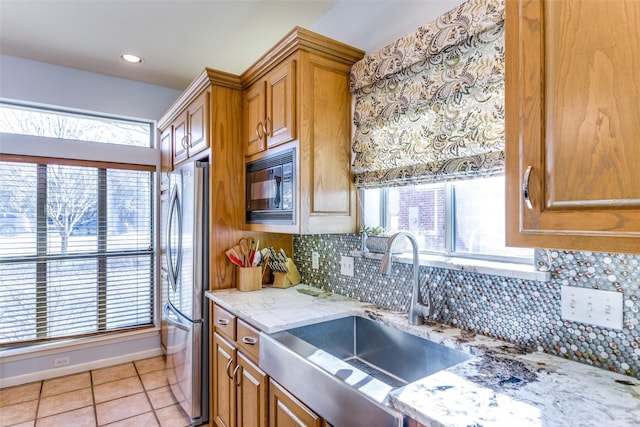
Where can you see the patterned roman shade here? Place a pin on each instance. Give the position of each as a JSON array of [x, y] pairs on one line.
[[430, 106]]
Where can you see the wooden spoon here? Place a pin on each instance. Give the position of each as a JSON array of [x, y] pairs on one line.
[[244, 247]]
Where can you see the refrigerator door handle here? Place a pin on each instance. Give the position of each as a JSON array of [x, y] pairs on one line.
[[174, 268], [173, 318]]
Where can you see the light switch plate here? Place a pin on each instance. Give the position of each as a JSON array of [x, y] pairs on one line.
[[592, 306], [346, 265], [315, 260]]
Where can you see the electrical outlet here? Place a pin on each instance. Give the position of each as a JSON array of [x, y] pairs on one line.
[[346, 265], [62, 361], [592, 306], [315, 260]]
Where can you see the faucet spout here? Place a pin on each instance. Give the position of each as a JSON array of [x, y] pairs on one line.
[[417, 310]]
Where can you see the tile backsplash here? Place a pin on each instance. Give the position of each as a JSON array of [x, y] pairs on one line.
[[524, 312]]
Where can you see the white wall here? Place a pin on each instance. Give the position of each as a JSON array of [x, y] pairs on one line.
[[40, 83], [22, 366], [373, 24]]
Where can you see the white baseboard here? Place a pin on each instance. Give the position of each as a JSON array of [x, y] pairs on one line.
[[74, 369]]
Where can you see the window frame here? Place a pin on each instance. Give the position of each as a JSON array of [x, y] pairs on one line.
[[449, 228], [39, 150]]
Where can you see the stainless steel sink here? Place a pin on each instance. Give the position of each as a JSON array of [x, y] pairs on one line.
[[344, 369]]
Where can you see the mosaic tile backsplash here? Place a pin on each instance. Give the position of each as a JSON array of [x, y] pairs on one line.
[[520, 311]]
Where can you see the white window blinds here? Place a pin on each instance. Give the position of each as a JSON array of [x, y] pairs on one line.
[[76, 249]]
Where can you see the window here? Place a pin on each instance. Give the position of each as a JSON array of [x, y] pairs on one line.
[[462, 218], [77, 254], [22, 120]]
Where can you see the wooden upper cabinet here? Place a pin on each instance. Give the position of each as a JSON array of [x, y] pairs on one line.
[[572, 124], [328, 199], [198, 137], [190, 129], [305, 81], [254, 115], [280, 122], [180, 138], [166, 154], [270, 110], [205, 122]]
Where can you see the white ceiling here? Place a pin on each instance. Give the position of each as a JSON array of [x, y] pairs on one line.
[[178, 38]]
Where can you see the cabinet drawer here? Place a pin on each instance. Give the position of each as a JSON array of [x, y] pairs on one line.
[[248, 340], [224, 322]]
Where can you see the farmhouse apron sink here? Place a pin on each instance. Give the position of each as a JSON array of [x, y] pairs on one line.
[[344, 369]]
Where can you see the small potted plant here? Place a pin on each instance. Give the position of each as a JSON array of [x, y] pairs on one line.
[[375, 239]]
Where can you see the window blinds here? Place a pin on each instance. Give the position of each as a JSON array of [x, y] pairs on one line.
[[430, 107], [76, 257]]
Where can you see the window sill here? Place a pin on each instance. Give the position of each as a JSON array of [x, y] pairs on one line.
[[495, 268]]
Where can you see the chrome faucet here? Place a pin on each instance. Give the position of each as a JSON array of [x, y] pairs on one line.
[[418, 311]]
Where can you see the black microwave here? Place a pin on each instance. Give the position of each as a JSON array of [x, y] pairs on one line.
[[270, 189]]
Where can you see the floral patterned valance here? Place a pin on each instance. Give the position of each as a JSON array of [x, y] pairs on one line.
[[439, 116]]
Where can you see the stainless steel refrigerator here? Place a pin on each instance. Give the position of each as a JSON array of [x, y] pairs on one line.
[[185, 314]]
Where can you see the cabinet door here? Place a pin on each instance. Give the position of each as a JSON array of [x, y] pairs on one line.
[[254, 115], [224, 388], [287, 411], [328, 197], [180, 131], [573, 124], [252, 394], [281, 102], [198, 112], [166, 154]]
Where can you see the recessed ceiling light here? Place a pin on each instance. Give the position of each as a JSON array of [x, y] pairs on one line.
[[131, 58]]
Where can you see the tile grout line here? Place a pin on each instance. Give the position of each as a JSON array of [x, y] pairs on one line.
[[146, 393], [35, 416], [93, 397]]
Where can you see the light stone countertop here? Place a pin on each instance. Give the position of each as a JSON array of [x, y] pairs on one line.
[[504, 385]]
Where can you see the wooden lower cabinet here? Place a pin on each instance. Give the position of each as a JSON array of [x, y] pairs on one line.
[[251, 394], [240, 388], [242, 395], [287, 411], [223, 411]]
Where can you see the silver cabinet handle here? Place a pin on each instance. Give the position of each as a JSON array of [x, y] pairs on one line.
[[265, 128], [249, 340], [236, 379], [223, 322], [525, 188], [260, 127], [229, 363]]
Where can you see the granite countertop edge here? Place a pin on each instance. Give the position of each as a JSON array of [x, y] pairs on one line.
[[504, 384]]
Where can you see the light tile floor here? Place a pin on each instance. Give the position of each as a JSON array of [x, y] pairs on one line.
[[132, 394]]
